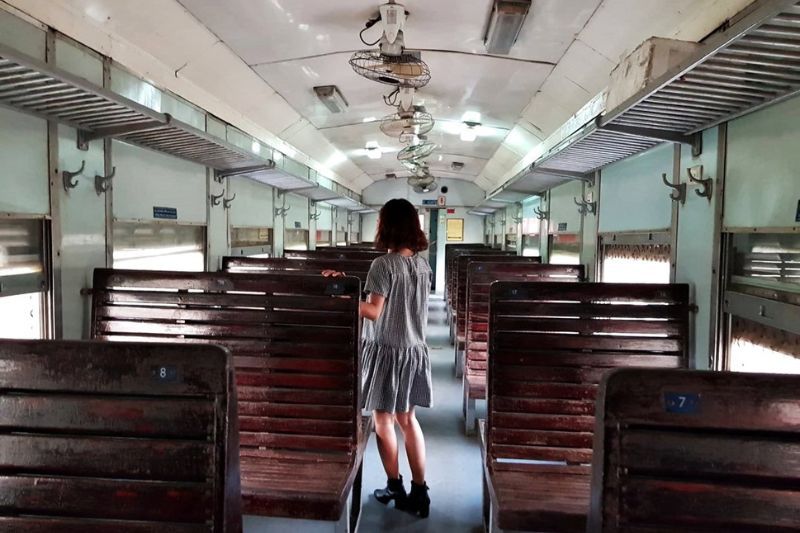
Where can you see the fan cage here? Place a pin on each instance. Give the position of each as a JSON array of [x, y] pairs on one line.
[[416, 152], [412, 124], [405, 70]]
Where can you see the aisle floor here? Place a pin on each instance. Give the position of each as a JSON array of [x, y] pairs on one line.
[[454, 460]]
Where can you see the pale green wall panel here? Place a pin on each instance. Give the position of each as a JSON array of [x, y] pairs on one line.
[[217, 240], [634, 197], [563, 208], [253, 203], [325, 222], [83, 229], [126, 84], [183, 111], [589, 234], [23, 152], [22, 36], [298, 212], [146, 179], [763, 168], [79, 61], [696, 247]]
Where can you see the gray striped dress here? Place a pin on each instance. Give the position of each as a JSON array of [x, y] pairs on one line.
[[396, 369]]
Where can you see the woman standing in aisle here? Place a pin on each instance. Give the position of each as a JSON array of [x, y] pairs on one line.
[[396, 368]]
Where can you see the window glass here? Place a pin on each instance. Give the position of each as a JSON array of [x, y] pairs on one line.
[[251, 241], [565, 249], [22, 268], [323, 238], [341, 238], [758, 348], [295, 240], [636, 263], [530, 246], [151, 246], [771, 260], [22, 316]]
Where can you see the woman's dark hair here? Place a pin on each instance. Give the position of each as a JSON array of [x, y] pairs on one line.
[[398, 227]]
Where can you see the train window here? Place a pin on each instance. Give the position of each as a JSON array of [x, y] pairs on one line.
[[341, 238], [323, 238], [154, 246], [758, 348], [565, 249], [530, 246], [355, 238], [770, 260], [635, 258], [251, 241], [22, 278], [295, 239]]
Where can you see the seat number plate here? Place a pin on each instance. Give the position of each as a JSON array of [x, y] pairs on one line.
[[683, 403]]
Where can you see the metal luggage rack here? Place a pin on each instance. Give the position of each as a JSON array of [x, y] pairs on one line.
[[32, 86], [753, 64]]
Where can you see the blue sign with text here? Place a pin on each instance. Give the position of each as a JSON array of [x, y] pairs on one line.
[[429, 202], [168, 213], [681, 403]]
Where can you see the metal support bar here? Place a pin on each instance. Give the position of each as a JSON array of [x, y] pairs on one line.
[[566, 174], [85, 137], [220, 175], [650, 133]]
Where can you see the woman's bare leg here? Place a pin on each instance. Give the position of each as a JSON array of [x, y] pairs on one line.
[[387, 442], [415, 444]]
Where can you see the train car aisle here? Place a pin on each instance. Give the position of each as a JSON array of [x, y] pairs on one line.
[[454, 461]]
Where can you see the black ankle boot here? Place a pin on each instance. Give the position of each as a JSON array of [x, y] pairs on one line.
[[418, 502], [394, 491]]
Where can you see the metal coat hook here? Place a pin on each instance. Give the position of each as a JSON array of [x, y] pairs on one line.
[[585, 207], [282, 211], [216, 199], [517, 220], [707, 184], [102, 183], [67, 176], [541, 215], [226, 202], [679, 191]]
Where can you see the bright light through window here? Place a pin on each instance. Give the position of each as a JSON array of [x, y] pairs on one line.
[[746, 356], [632, 270], [22, 316]]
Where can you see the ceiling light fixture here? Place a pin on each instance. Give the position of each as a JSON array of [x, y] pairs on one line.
[[505, 25], [369, 119], [373, 150], [332, 98], [470, 131]]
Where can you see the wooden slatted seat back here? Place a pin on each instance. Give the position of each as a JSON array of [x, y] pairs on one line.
[[460, 290], [294, 340], [550, 344], [339, 254], [450, 251], [99, 437], [480, 276], [697, 451], [357, 268]]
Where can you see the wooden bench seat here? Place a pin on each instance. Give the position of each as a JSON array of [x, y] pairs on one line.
[[462, 259], [99, 437], [549, 346], [295, 345], [451, 251], [697, 451], [335, 253], [244, 265], [480, 275]]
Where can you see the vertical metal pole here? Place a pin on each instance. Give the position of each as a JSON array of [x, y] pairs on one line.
[[108, 164], [56, 233], [717, 350], [676, 210]]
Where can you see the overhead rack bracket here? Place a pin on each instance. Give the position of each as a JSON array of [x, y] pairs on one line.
[[86, 136], [220, 175], [695, 140]]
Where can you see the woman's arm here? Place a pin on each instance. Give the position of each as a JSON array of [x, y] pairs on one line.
[[373, 307]]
